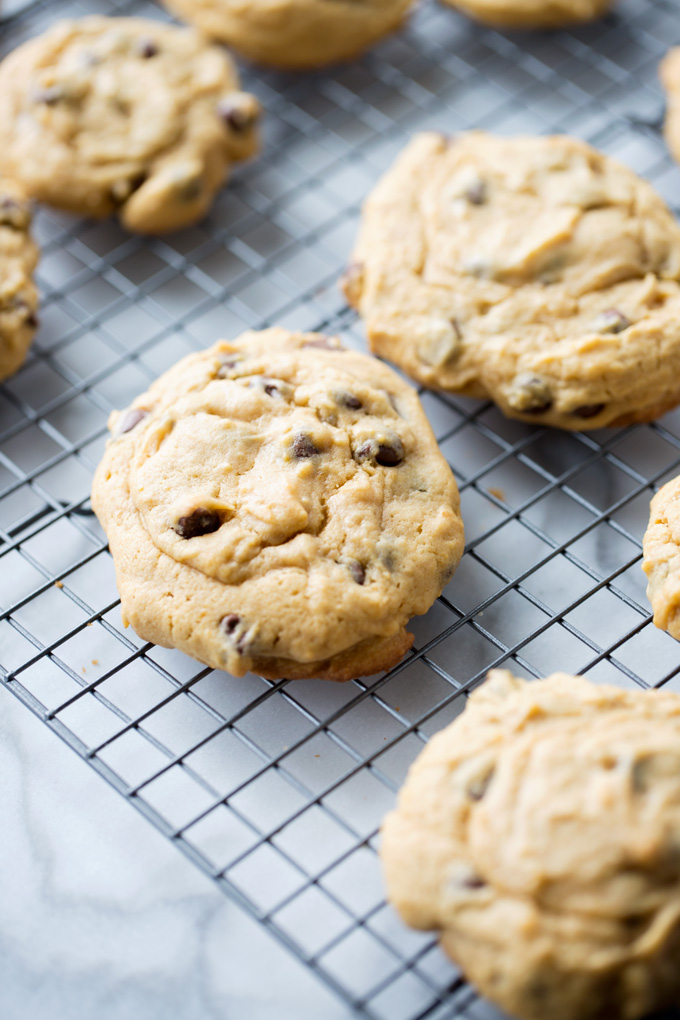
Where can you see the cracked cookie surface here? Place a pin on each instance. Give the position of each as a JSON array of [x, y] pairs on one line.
[[536, 272], [278, 504], [18, 294], [123, 115], [661, 557], [531, 13], [295, 33], [539, 833]]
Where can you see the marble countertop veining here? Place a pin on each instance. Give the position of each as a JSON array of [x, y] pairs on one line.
[[100, 916]]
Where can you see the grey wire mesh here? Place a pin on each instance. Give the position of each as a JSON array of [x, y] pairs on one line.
[[276, 790]]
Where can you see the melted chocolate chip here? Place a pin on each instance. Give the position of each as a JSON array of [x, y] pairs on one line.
[[199, 522], [530, 394], [235, 115], [390, 454], [387, 453], [303, 446], [232, 626], [228, 362], [472, 882], [146, 48], [357, 571], [230, 623], [538, 408], [350, 401], [611, 321], [271, 390], [588, 410], [130, 419]]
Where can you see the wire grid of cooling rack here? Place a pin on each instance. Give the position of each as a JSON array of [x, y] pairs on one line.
[[276, 790]]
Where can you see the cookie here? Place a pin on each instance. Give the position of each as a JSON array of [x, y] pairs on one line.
[[539, 833], [278, 504], [531, 13], [124, 115], [18, 295], [669, 72], [294, 33], [661, 557], [536, 272]]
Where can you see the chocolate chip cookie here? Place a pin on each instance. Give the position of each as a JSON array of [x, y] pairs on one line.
[[540, 834], [295, 33], [18, 295], [278, 504], [669, 72], [123, 115], [661, 557], [533, 271], [531, 13]]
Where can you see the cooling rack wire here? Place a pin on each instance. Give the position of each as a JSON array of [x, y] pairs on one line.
[[276, 790]]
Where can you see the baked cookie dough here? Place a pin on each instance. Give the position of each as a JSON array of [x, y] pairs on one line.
[[278, 504], [539, 833], [102, 115], [531, 13], [536, 272], [669, 72], [661, 557], [18, 295], [295, 33]]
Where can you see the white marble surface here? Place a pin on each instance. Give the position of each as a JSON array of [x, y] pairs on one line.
[[101, 917]]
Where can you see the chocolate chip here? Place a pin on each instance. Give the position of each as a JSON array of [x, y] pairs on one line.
[[235, 115], [387, 452], [472, 882], [303, 446], [390, 454], [234, 628], [476, 194], [530, 394], [146, 47], [199, 522], [357, 571], [325, 343], [478, 786], [588, 410], [611, 321], [130, 419], [228, 362], [349, 400], [231, 622], [271, 389]]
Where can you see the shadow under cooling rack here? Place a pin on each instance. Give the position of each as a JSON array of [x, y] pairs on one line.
[[277, 790]]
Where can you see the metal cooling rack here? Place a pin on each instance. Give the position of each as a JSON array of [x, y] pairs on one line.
[[276, 790]]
